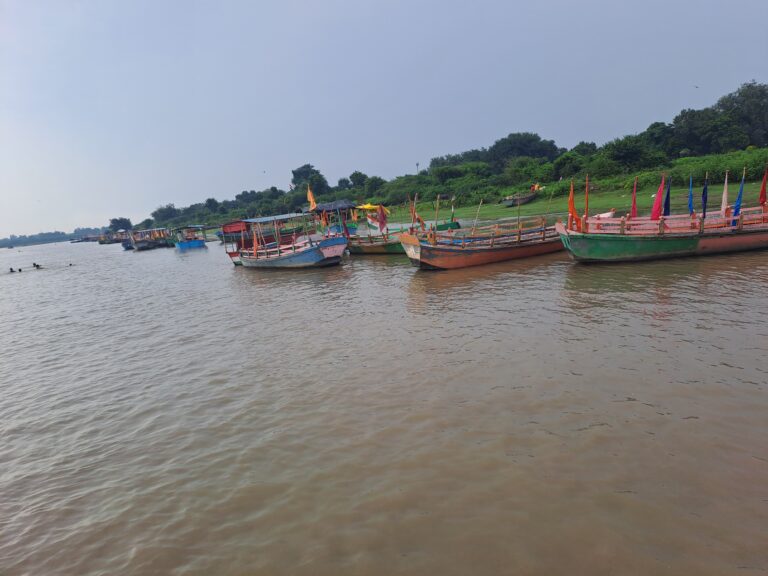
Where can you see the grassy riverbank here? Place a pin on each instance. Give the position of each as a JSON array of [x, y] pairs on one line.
[[599, 201]]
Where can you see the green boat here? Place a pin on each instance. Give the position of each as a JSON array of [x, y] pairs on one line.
[[622, 240]]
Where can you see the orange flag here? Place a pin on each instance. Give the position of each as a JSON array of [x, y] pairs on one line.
[[572, 210], [311, 198]]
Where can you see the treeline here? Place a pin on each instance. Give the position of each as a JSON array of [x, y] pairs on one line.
[[47, 237], [695, 141]]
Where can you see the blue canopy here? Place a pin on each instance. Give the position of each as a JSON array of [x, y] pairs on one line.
[[278, 217]]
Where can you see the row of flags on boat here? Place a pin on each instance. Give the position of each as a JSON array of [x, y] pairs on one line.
[[662, 200]]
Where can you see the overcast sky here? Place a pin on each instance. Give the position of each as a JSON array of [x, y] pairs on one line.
[[112, 108]]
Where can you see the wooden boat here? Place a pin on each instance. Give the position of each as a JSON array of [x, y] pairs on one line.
[[311, 251], [519, 199], [308, 250], [190, 237], [474, 247], [238, 235], [388, 243], [151, 239], [626, 239]]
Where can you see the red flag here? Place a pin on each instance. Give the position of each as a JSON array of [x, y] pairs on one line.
[[572, 210], [311, 198], [656, 211], [762, 188], [382, 217], [633, 211]]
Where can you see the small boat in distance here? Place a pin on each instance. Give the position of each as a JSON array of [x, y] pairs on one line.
[[190, 237], [519, 199], [150, 239]]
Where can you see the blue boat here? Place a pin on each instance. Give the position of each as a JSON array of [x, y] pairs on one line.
[[190, 237], [311, 251]]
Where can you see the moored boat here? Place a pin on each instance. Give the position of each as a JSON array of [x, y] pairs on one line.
[[190, 237], [150, 239], [518, 199], [626, 239], [313, 251], [305, 250], [477, 246], [387, 243]]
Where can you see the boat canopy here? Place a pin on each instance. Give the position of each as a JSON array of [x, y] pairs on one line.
[[279, 217], [334, 206], [370, 206]]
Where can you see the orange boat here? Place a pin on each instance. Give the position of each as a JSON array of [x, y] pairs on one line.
[[476, 246]]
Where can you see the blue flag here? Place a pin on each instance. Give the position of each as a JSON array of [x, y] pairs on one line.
[[704, 199], [737, 206], [690, 195], [666, 196]]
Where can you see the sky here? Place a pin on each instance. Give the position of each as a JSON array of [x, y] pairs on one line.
[[112, 108]]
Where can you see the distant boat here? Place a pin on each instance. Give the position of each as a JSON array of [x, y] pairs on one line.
[[190, 237], [519, 199], [151, 239]]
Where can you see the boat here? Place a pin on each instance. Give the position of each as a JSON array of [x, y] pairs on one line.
[[304, 249], [387, 243], [190, 237], [484, 245], [625, 240], [519, 199], [237, 235], [150, 239], [311, 251], [628, 239]]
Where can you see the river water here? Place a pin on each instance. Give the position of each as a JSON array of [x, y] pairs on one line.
[[168, 413]]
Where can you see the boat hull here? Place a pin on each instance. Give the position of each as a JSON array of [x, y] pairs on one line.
[[326, 252], [375, 245], [628, 248], [452, 256], [188, 244]]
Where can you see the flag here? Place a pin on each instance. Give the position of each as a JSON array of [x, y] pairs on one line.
[[737, 206], [633, 210], [586, 198], [724, 203], [311, 198], [704, 198], [667, 197], [572, 210], [656, 210], [690, 194], [763, 199], [382, 218]]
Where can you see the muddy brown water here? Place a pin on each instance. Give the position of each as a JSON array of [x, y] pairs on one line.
[[168, 413]]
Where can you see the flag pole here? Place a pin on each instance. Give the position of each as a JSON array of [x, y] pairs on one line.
[[477, 215]]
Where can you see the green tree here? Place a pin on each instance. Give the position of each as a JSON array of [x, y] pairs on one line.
[[116, 224], [344, 184], [165, 213], [212, 204], [358, 179], [308, 174], [373, 184]]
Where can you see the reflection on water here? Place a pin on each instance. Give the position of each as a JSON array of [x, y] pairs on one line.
[[166, 412]]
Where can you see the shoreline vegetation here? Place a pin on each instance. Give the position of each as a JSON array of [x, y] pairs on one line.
[[731, 135]]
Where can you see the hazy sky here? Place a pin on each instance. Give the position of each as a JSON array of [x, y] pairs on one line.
[[113, 108]]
